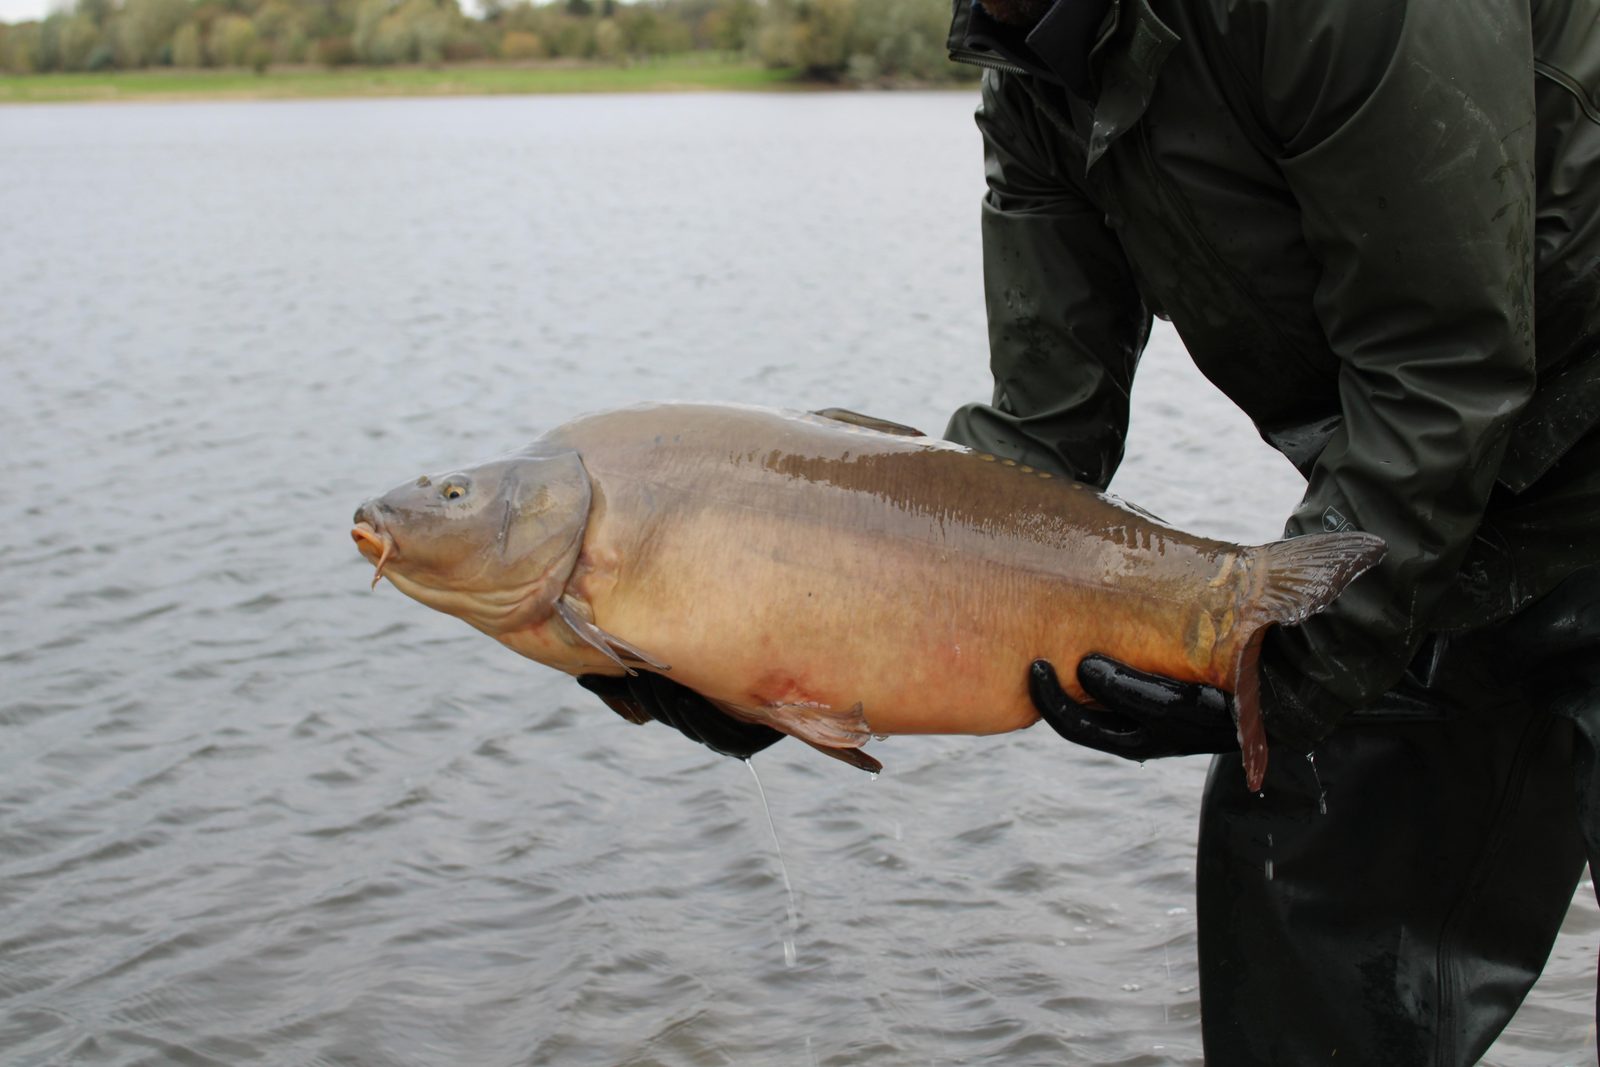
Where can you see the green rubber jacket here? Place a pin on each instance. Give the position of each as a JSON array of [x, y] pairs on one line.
[[1375, 224]]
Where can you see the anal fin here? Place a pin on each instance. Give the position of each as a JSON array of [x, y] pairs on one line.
[[836, 732], [615, 649], [853, 756]]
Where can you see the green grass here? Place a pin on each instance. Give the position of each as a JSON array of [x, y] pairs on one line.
[[678, 74]]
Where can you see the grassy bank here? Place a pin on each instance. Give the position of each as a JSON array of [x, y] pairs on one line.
[[687, 74]]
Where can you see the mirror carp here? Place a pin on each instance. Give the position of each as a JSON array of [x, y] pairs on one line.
[[833, 575]]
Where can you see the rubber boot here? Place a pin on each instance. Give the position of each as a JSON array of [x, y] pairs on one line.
[[1391, 899]]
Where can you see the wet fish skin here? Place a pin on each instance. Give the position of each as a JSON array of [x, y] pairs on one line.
[[489, 544], [834, 580]]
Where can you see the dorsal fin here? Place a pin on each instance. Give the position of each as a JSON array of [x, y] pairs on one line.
[[855, 418]]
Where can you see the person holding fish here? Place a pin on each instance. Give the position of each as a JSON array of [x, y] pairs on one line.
[[1376, 227]]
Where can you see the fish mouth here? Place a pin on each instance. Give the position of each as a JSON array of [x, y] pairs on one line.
[[377, 546]]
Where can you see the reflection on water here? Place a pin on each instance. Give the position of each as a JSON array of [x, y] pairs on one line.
[[250, 811]]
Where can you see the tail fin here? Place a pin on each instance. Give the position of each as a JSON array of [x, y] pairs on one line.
[[1291, 581]]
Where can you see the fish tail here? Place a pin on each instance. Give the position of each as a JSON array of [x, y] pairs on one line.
[[1291, 581]]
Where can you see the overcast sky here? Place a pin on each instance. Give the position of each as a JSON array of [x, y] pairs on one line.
[[23, 10]]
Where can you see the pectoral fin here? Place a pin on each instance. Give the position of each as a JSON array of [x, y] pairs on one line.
[[836, 732], [855, 418], [617, 650]]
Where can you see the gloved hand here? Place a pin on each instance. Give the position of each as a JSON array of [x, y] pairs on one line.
[[644, 696], [1147, 716], [1142, 716]]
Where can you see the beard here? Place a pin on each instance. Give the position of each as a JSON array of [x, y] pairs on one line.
[[1017, 12]]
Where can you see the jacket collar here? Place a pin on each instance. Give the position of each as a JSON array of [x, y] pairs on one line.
[[1107, 52], [1057, 49]]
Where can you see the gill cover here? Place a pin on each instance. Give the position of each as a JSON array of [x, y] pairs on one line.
[[493, 544]]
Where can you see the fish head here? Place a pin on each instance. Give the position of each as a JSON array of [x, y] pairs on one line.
[[492, 544]]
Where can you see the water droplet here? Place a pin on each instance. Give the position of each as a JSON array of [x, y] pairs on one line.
[[1131, 987], [1269, 870], [1322, 794], [788, 952], [874, 776]]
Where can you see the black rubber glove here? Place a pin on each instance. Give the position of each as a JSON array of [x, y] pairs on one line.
[[1147, 716], [645, 696], [1142, 716]]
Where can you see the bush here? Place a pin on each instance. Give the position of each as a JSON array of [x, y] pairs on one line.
[[335, 52], [852, 40], [861, 42], [186, 47], [608, 42], [22, 46], [76, 38], [143, 30], [231, 42], [291, 46], [778, 43], [521, 45], [464, 50]]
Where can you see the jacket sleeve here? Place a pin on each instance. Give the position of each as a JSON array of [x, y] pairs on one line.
[[1066, 323], [1408, 134]]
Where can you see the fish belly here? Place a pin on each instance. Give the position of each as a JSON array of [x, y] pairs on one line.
[[759, 612]]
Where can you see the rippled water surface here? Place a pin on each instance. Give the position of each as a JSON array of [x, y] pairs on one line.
[[252, 812]]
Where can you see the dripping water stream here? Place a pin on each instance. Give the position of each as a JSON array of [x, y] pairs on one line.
[[1322, 793], [793, 923]]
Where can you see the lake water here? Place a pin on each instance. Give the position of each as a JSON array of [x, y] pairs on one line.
[[252, 812]]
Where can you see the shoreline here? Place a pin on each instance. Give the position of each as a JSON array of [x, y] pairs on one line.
[[166, 85]]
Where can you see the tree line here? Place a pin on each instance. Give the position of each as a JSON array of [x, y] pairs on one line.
[[832, 40]]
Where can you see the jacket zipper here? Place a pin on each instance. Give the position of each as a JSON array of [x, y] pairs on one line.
[[1565, 80], [980, 59]]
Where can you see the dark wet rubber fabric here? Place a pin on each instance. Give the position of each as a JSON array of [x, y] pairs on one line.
[[1393, 898], [642, 697], [1376, 227], [1358, 216], [1135, 715]]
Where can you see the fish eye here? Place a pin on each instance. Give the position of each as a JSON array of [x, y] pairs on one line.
[[454, 489]]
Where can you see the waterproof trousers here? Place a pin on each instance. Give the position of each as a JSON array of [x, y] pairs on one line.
[[1391, 899]]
